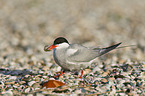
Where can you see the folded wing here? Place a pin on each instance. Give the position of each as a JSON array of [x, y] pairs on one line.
[[79, 53]]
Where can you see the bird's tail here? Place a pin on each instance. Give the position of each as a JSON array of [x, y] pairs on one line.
[[107, 49]]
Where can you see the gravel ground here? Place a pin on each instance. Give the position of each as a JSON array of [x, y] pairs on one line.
[[127, 78], [27, 26]]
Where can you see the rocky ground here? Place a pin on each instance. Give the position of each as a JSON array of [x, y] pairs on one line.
[[27, 26]]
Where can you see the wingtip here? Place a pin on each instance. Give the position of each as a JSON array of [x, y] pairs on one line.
[[119, 43], [116, 45], [113, 46], [107, 49]]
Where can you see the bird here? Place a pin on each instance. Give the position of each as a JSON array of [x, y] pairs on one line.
[[75, 57]]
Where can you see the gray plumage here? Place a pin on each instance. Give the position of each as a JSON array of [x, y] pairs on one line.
[[73, 57]]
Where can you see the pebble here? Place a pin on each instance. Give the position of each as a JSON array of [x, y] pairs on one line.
[[10, 82], [96, 69], [104, 81], [27, 78], [7, 93], [22, 82], [31, 83], [36, 85], [41, 72], [32, 95], [82, 90], [139, 83], [40, 94], [116, 78], [15, 86], [13, 77], [78, 91], [27, 90], [44, 77], [112, 78], [105, 74], [61, 89], [86, 71]]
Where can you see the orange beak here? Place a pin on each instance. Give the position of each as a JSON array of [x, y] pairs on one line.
[[48, 48]]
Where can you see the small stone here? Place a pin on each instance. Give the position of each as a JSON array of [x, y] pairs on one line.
[[96, 69], [44, 77], [104, 81], [8, 93], [105, 74], [22, 82], [61, 89], [10, 82], [13, 77], [40, 94], [41, 72], [27, 90], [14, 86], [130, 94], [112, 78], [27, 78], [122, 94], [30, 95], [21, 87], [31, 83], [2, 83], [139, 83], [78, 91], [36, 85], [96, 82], [86, 71], [139, 91], [83, 90]]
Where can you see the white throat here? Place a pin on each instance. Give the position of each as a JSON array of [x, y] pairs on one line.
[[62, 45]]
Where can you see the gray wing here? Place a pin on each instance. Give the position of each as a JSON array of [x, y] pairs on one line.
[[79, 53]]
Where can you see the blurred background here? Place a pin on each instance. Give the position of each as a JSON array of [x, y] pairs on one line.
[[26, 26]]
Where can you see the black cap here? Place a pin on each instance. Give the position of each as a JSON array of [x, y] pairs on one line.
[[60, 40]]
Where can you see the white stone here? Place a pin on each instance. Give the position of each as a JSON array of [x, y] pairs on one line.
[[31, 83], [27, 90], [13, 77]]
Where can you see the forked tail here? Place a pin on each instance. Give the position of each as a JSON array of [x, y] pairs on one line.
[[107, 49]]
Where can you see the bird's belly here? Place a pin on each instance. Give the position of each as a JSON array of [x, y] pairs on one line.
[[72, 66], [67, 66]]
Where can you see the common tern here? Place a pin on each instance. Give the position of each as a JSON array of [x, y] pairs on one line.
[[75, 57]]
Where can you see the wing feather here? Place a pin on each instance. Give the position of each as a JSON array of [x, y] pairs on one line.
[[83, 54]]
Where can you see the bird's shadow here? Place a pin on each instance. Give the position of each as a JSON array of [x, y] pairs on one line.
[[16, 72]]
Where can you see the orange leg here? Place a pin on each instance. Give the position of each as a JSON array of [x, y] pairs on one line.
[[61, 72], [81, 73]]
